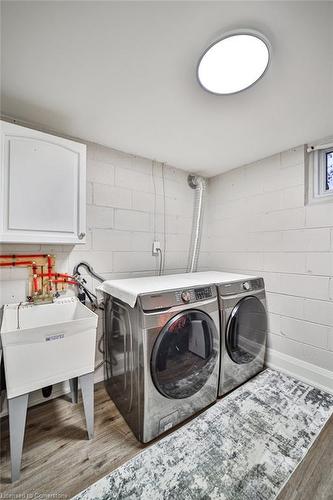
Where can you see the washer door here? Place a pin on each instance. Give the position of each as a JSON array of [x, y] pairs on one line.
[[246, 330], [184, 355]]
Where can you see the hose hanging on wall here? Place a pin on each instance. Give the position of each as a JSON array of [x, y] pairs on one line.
[[82, 282], [89, 269], [199, 184]]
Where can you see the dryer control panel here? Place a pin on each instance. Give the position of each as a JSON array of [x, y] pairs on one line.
[[243, 286]]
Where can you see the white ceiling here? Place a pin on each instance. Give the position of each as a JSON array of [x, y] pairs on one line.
[[123, 74]]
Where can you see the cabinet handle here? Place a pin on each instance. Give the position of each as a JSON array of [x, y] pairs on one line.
[[81, 236]]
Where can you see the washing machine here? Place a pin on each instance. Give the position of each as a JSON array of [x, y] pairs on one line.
[[162, 356], [243, 322]]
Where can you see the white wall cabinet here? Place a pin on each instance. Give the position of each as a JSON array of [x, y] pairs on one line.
[[43, 187]]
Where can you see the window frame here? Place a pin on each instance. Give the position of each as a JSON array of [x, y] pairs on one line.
[[320, 165], [317, 192], [328, 151]]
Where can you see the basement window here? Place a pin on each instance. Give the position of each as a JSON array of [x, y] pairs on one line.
[[329, 170], [320, 178]]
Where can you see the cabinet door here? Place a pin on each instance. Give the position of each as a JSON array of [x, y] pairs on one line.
[[43, 187]]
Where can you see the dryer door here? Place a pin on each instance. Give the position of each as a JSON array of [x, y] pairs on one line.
[[246, 330], [184, 354]]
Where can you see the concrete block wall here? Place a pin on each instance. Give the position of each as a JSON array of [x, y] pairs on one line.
[[127, 199], [130, 202], [257, 223]]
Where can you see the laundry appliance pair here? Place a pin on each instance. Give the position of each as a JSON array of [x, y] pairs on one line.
[[173, 344]]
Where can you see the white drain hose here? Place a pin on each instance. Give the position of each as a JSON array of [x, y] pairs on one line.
[[199, 184]]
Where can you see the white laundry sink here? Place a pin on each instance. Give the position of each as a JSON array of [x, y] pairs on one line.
[[46, 344]]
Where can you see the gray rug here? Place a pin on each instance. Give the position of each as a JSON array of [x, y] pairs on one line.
[[245, 447]]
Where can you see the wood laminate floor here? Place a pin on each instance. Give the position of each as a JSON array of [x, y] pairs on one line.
[[58, 460]]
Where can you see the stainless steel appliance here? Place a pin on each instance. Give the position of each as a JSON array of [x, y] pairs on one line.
[[243, 320], [162, 357]]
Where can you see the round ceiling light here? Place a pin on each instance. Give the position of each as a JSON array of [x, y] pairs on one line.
[[234, 63]]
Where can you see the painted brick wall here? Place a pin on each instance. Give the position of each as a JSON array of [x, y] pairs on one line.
[[257, 223]]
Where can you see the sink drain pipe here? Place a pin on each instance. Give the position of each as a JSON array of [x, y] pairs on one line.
[[91, 296], [199, 184]]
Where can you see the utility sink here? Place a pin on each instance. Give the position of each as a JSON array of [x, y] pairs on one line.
[[46, 344]]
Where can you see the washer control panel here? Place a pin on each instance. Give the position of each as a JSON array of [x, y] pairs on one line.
[[167, 299], [194, 294], [203, 293], [186, 296]]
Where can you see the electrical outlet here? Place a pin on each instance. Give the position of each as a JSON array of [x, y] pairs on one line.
[[156, 247]]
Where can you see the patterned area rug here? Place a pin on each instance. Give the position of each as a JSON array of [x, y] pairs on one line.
[[245, 447]]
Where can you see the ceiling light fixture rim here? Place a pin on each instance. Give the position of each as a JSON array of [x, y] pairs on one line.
[[230, 34]]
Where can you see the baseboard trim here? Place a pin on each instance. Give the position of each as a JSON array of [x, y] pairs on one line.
[[302, 370]]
